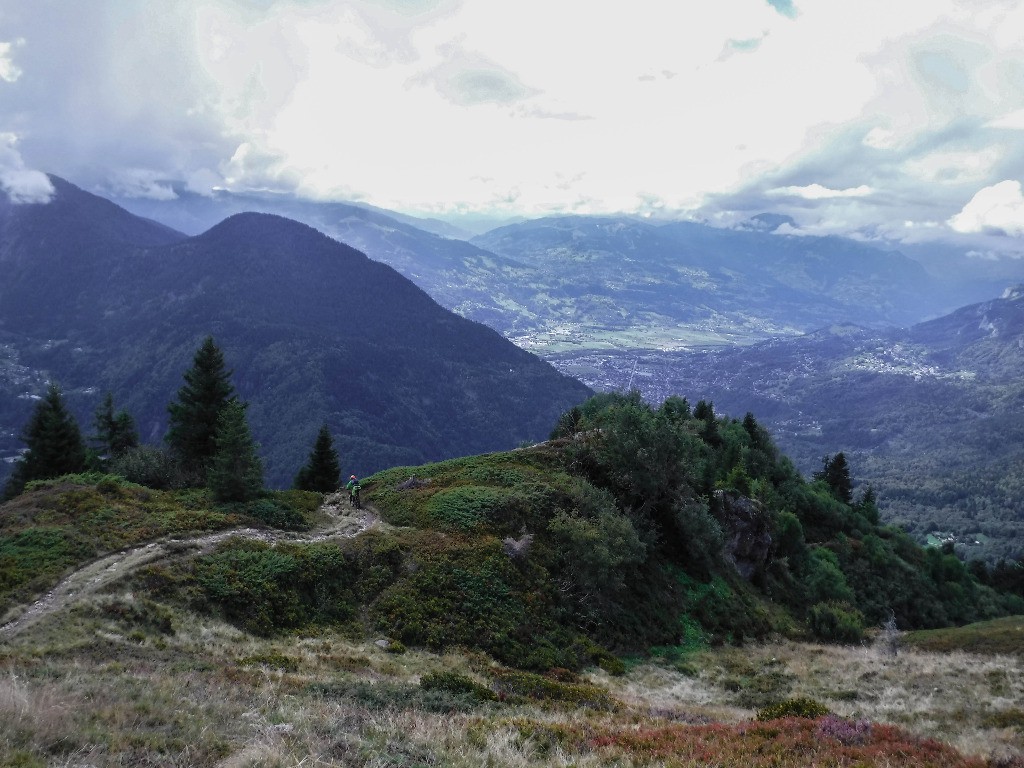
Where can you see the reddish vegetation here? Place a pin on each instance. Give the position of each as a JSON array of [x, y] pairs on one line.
[[788, 743]]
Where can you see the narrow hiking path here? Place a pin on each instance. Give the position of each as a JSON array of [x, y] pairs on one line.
[[343, 522]]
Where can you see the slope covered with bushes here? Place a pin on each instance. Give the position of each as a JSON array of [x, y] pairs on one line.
[[633, 527]]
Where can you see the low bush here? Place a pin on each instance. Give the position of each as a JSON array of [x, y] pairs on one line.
[[836, 622], [512, 685], [453, 682], [800, 706]]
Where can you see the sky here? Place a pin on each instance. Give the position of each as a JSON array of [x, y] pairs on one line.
[[888, 120]]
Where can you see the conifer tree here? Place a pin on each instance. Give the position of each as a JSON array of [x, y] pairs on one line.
[[115, 432], [55, 445], [323, 469], [193, 417], [835, 471], [235, 472]]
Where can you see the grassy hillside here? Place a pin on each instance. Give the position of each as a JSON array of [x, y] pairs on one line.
[[580, 602]]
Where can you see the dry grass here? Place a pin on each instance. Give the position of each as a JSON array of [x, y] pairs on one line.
[[92, 688]]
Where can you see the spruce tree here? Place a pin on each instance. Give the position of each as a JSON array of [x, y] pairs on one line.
[[55, 444], [115, 432], [835, 471], [235, 472], [322, 471], [193, 417]]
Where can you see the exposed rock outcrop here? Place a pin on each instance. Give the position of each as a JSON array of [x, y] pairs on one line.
[[747, 530]]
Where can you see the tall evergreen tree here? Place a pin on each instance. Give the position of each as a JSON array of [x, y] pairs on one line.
[[193, 417], [115, 432], [323, 469], [55, 444], [835, 471], [235, 472]]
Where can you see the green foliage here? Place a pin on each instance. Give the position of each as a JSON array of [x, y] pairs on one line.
[[235, 471], [269, 589], [194, 416], [68, 521], [998, 636], [453, 682], [271, 659], [55, 445], [513, 685], [835, 473], [825, 579], [115, 432], [596, 551], [465, 506], [801, 706], [836, 622], [322, 471], [153, 467], [272, 510]]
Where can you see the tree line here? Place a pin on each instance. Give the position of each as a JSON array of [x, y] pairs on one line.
[[208, 441]]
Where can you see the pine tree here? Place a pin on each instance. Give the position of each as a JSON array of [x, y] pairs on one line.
[[836, 474], [235, 471], [193, 417], [115, 432], [322, 471], [55, 445]]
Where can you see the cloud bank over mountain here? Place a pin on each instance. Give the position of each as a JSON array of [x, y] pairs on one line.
[[864, 118]]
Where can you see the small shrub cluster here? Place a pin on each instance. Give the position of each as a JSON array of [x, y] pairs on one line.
[[512, 685], [272, 659], [453, 682], [801, 706], [836, 622]]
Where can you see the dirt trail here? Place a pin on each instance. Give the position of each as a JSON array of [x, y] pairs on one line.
[[342, 523]]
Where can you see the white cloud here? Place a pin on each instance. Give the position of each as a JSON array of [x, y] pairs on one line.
[[22, 185], [412, 104], [8, 70], [819, 192], [1013, 121], [141, 182], [997, 208]]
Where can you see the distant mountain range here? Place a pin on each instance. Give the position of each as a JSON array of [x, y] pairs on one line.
[[618, 302], [576, 282], [315, 331], [931, 416]]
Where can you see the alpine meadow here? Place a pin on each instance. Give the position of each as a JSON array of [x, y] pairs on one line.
[[447, 384]]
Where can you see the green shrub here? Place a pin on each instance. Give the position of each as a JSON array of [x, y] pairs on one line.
[[512, 684], [836, 622], [453, 682], [154, 468], [272, 659], [466, 506], [800, 706]]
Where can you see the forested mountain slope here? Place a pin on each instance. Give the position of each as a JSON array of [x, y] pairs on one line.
[[315, 332]]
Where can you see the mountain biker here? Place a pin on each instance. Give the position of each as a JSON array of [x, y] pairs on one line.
[[353, 488]]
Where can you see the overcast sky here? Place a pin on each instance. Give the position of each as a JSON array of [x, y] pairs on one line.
[[898, 118]]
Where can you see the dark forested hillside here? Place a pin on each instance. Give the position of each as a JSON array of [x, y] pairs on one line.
[[314, 330]]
